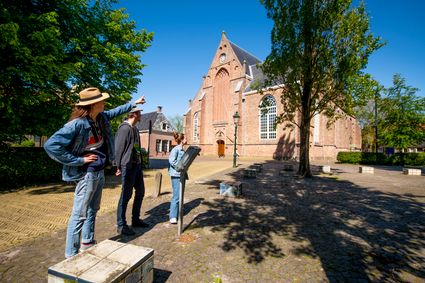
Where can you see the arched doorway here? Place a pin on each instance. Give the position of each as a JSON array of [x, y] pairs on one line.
[[220, 148]]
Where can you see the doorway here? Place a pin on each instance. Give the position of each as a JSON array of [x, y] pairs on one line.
[[220, 148]]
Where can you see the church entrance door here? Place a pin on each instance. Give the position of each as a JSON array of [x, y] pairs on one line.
[[220, 148]]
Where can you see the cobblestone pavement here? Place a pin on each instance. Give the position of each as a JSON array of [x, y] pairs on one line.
[[33, 212], [339, 227]]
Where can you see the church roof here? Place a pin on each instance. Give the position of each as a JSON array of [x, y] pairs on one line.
[[243, 55], [251, 70]]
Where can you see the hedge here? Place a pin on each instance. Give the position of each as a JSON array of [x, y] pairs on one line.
[[402, 159], [23, 166]]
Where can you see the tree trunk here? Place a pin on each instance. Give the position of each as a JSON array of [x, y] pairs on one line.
[[304, 167]]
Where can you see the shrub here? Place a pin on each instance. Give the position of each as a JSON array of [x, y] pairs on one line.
[[409, 159], [22, 166], [25, 143], [370, 158], [145, 159], [349, 157], [402, 159]]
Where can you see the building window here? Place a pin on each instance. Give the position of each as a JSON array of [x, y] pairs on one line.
[[158, 146], [195, 127], [164, 126], [164, 146], [268, 118]]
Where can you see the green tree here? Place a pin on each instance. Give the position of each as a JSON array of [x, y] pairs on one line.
[[177, 122], [403, 123], [368, 118], [319, 49], [54, 48]]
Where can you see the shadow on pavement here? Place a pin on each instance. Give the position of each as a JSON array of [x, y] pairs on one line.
[[160, 275], [357, 233], [156, 215]]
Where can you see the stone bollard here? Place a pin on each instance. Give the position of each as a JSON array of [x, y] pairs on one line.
[[158, 182]]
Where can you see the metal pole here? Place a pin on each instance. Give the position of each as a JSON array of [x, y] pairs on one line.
[[181, 196], [234, 147], [149, 141]]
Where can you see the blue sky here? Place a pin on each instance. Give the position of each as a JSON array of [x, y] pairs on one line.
[[187, 34]]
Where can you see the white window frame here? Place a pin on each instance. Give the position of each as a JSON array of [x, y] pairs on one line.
[[195, 126], [266, 122], [238, 86]]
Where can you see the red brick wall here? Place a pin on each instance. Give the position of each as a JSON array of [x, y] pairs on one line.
[[152, 145], [216, 123]]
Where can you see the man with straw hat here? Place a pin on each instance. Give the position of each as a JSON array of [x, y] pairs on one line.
[[84, 145]]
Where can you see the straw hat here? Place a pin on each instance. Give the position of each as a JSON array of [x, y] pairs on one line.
[[136, 109], [91, 95]]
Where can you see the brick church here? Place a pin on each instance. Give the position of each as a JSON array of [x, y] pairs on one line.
[[229, 87]]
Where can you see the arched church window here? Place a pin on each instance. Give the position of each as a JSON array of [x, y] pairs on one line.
[[267, 116], [195, 127]]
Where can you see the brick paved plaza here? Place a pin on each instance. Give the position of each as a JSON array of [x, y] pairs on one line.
[[339, 227]]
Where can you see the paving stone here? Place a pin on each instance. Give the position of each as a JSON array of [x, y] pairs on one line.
[[355, 228]]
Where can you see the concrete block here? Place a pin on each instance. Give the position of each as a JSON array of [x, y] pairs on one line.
[[108, 261], [366, 170], [288, 167], [326, 169], [249, 173], [259, 166], [256, 168], [412, 171], [231, 189]]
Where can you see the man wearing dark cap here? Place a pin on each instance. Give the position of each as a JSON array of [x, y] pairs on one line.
[[83, 146], [129, 166]]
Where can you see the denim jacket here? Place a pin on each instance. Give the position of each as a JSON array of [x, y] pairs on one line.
[[175, 155], [68, 144]]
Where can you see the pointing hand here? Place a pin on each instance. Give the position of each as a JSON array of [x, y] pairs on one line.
[[141, 100]]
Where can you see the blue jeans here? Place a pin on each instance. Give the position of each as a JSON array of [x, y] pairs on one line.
[[87, 196], [174, 205], [132, 177]]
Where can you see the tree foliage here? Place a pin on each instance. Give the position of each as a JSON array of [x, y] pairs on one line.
[[177, 122], [319, 49], [54, 48], [403, 116]]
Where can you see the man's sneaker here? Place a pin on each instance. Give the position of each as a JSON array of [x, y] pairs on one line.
[[139, 223], [125, 230], [85, 246], [173, 220]]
